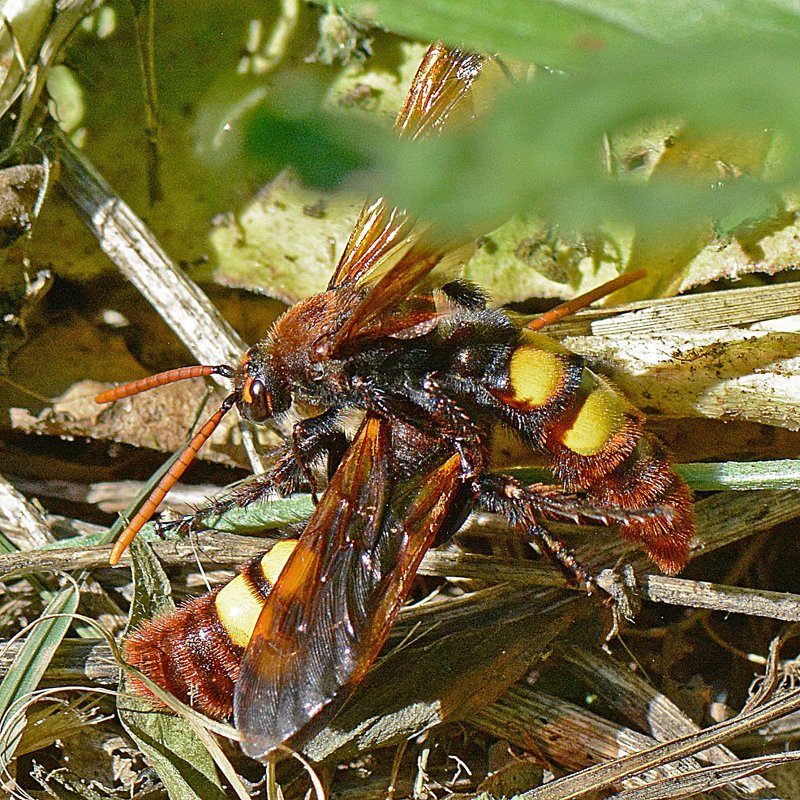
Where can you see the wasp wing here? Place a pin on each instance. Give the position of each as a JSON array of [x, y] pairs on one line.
[[389, 252], [440, 91], [334, 602]]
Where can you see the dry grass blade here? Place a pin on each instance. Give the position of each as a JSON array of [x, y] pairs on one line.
[[706, 311], [708, 779], [133, 248], [24, 524], [77, 661], [641, 705], [566, 734], [30, 664], [731, 599], [606, 774]]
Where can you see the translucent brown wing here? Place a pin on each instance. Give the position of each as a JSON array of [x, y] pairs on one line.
[[440, 91], [388, 249], [333, 605]]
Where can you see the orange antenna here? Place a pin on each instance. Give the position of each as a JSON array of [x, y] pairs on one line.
[[172, 476], [161, 379], [174, 473], [583, 300]]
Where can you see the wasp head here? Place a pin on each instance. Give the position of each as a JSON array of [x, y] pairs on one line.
[[262, 391]]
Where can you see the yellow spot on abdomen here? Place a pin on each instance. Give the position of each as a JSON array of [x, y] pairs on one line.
[[238, 605], [600, 418], [238, 609], [537, 370], [273, 562]]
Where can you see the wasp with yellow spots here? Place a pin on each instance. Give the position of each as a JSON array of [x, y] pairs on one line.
[[435, 371]]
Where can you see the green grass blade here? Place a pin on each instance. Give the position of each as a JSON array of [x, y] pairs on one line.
[[30, 664], [742, 476]]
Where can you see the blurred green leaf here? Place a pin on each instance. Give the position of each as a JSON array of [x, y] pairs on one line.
[[742, 476], [323, 151], [566, 34], [541, 148]]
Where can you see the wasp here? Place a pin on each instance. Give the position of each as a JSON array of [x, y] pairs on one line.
[[434, 370]]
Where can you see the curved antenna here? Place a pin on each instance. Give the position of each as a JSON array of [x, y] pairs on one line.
[[162, 379], [172, 476], [185, 458], [583, 300]]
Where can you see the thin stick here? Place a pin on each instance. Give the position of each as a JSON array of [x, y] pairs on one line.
[[583, 300], [133, 248]]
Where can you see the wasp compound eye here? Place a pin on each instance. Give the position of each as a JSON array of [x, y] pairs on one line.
[[257, 401]]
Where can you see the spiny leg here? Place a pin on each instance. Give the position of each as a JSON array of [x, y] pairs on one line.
[[312, 439], [522, 504], [426, 407], [563, 556], [458, 425], [525, 506]]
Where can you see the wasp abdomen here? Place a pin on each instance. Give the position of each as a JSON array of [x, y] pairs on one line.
[[645, 480], [598, 444], [196, 651], [190, 654], [559, 405]]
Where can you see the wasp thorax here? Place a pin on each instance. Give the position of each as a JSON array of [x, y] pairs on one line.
[[263, 393]]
